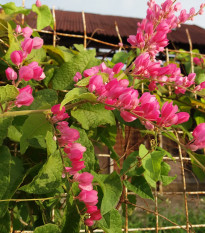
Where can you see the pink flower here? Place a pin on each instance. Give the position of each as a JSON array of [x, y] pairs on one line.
[[199, 137], [91, 209], [25, 97], [27, 32], [85, 180], [90, 72], [56, 109], [37, 43], [95, 83], [88, 197], [96, 215], [11, 74], [76, 166], [198, 61], [18, 29], [26, 73], [37, 70], [170, 117], [117, 67], [27, 45], [17, 57], [38, 3], [89, 222], [77, 77], [127, 116]]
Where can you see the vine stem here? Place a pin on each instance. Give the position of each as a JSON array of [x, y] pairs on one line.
[[45, 111], [34, 199]]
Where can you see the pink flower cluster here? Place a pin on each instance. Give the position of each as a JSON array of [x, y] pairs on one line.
[[26, 73], [160, 20], [145, 68], [74, 151], [199, 138], [116, 94]]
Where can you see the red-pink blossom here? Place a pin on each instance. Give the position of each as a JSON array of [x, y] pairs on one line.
[[25, 97], [26, 73], [89, 222], [199, 137], [27, 32], [37, 71], [27, 45], [38, 3], [88, 197], [85, 180], [56, 109], [37, 43], [117, 67], [16, 57], [11, 74], [77, 77], [18, 29], [95, 83]]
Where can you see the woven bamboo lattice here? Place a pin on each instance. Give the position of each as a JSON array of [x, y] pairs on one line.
[[184, 194]]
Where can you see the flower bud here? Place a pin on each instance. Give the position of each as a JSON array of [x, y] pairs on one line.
[[27, 32], [18, 29], [25, 97], [11, 74], [16, 57], [27, 45], [38, 3], [37, 43], [26, 73]]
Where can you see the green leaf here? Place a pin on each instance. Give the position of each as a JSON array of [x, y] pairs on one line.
[[48, 228], [79, 47], [44, 18], [165, 168], [139, 186], [166, 152], [198, 171], [14, 134], [130, 163], [60, 54], [5, 122], [34, 126], [200, 78], [16, 172], [111, 222], [120, 57], [199, 117], [91, 116], [151, 162], [5, 157], [71, 219], [156, 157], [13, 44], [51, 143], [88, 155], [78, 93], [5, 223], [44, 99], [8, 93], [63, 78], [10, 8], [112, 188], [48, 178], [38, 55]]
